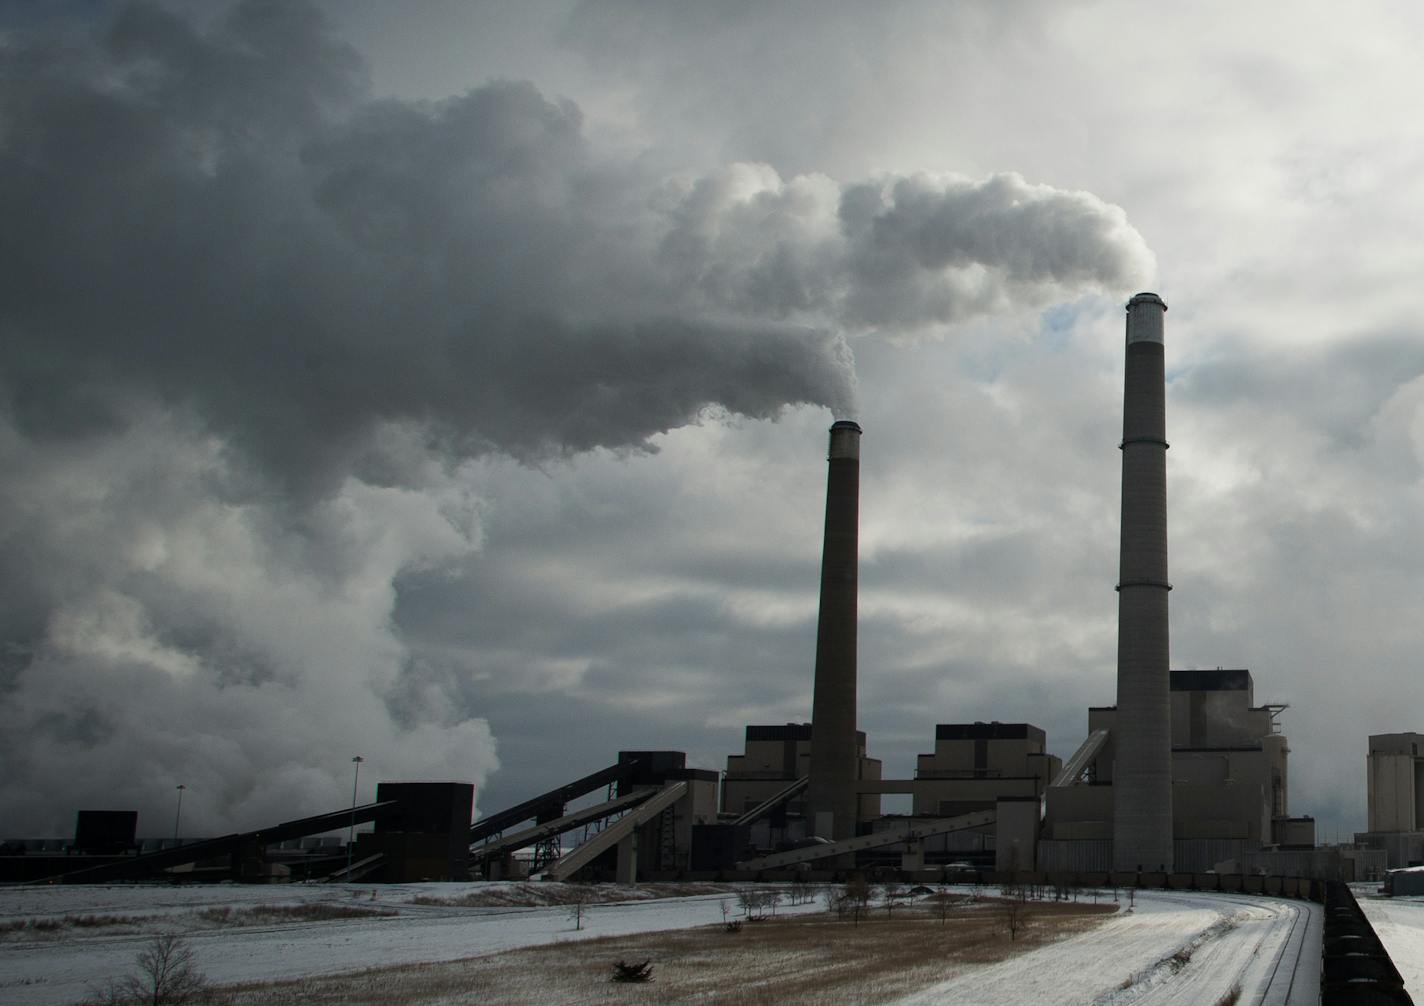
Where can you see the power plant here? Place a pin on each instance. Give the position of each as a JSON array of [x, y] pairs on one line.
[[1185, 774]]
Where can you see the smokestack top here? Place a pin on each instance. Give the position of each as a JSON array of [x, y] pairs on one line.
[[1144, 318], [845, 440]]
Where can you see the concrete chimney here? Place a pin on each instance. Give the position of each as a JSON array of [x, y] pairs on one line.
[[1142, 769], [831, 799]]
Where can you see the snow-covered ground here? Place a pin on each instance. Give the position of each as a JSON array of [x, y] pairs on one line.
[[62, 968], [1400, 925], [1177, 947], [1229, 939]]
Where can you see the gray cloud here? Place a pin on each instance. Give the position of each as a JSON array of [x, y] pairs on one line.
[[899, 254], [262, 333]]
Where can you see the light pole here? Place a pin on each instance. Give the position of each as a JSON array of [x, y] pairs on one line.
[[351, 835], [178, 815]]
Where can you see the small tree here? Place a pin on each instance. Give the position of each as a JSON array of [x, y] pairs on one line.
[[943, 906], [167, 975], [746, 901], [857, 897], [580, 901], [1015, 916], [891, 893]]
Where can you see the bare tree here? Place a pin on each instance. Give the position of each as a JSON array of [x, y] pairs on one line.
[[167, 975], [857, 897], [580, 901], [890, 893], [1015, 916], [943, 906]]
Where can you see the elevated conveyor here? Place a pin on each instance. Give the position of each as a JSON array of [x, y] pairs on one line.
[[134, 867], [552, 802], [659, 801], [361, 868], [1075, 766], [549, 829], [910, 833], [767, 806]]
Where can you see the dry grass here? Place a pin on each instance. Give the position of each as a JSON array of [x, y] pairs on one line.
[[793, 959], [266, 915], [50, 925], [543, 894], [59, 927]]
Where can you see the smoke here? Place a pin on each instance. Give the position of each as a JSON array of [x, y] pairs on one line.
[[254, 320], [897, 254]]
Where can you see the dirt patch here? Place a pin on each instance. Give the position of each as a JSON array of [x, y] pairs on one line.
[[795, 959]]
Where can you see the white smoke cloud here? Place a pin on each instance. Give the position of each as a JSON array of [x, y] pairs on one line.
[[255, 319], [187, 638], [899, 254]]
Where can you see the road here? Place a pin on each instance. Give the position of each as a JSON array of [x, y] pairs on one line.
[[1170, 949]]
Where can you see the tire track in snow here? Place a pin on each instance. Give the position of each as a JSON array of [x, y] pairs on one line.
[[1111, 964]]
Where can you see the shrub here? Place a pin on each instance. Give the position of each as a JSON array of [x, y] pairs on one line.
[[624, 972]]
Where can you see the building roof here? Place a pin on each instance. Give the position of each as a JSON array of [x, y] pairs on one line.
[[1217, 680], [787, 732], [987, 731]]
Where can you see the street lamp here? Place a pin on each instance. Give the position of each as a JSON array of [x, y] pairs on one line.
[[178, 815], [351, 835]]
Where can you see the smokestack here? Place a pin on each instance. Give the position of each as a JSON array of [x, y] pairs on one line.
[[831, 798], [1142, 770]]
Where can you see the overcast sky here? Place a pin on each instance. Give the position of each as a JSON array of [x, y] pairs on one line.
[[447, 383]]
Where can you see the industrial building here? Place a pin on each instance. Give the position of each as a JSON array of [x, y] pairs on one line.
[[1185, 772], [1228, 776], [1394, 773]]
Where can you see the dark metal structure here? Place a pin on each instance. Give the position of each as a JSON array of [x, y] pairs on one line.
[[237, 847]]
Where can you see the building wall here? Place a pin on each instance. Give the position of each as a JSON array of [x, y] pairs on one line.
[[1230, 779], [775, 756], [1395, 782], [1078, 813], [974, 764], [1401, 848], [952, 797]]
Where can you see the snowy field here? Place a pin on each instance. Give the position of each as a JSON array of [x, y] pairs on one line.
[[1179, 948], [1172, 947], [1400, 925]]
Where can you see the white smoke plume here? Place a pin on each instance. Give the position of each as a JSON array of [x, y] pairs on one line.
[[252, 320]]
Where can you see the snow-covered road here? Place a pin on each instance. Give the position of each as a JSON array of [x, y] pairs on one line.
[[1218, 940]]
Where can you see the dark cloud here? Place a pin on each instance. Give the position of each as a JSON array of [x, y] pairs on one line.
[[262, 334]]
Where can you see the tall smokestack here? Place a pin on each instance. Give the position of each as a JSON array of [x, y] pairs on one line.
[[831, 798], [1142, 772]]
